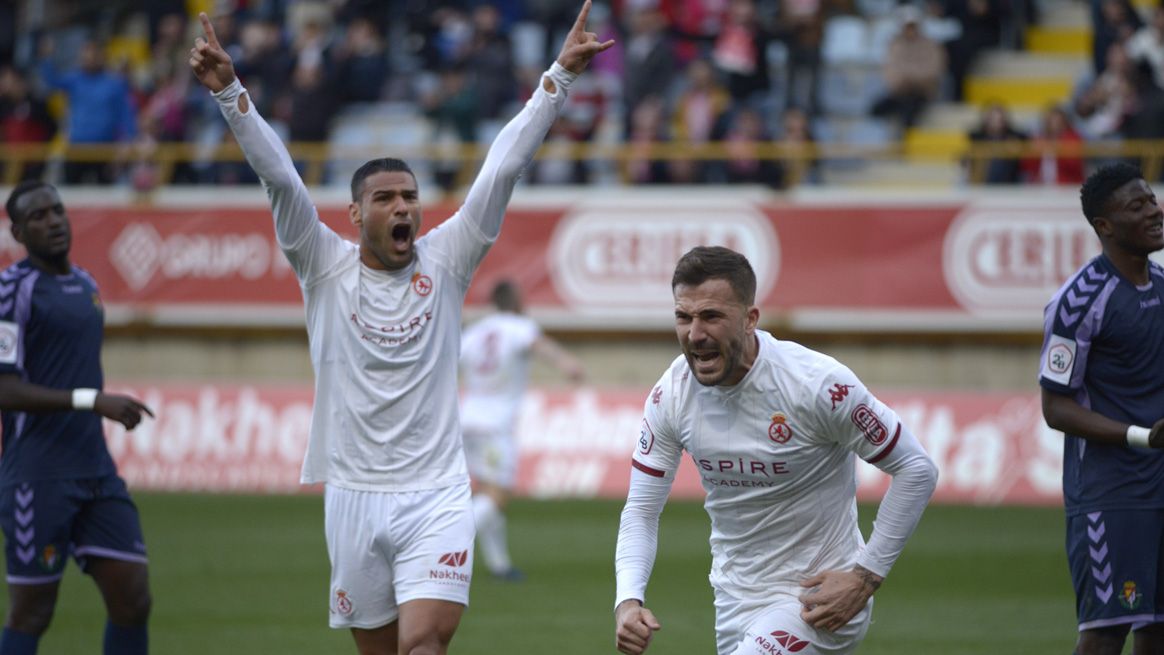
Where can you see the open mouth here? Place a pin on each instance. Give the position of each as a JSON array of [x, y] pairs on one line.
[[402, 235], [1156, 229]]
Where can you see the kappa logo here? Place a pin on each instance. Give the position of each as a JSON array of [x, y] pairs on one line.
[[1129, 597], [866, 420], [789, 641], [343, 604], [421, 284], [455, 560], [646, 438], [839, 392], [657, 395], [779, 430]]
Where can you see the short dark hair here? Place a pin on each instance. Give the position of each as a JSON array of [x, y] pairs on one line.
[[1100, 185], [373, 166], [703, 263], [505, 296], [27, 186]]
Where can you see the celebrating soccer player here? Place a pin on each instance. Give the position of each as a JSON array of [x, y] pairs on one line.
[[59, 489], [774, 429], [1102, 379], [383, 320]]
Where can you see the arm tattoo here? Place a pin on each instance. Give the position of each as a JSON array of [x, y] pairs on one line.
[[871, 580]]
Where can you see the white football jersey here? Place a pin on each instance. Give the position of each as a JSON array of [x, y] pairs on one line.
[[495, 357], [776, 457], [385, 344]]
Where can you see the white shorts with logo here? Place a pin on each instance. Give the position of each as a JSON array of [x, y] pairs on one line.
[[491, 456], [389, 548], [772, 626]]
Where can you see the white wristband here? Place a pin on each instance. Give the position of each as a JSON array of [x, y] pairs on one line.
[[84, 398], [1138, 436]]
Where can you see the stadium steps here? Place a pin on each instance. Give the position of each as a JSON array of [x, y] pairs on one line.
[[1024, 79]]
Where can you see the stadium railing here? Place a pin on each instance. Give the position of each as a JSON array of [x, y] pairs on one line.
[[314, 158]]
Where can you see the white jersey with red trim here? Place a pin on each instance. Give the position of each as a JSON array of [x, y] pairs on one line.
[[495, 355], [776, 457]]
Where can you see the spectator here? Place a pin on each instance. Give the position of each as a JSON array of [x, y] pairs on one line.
[[745, 136], [1114, 21], [262, 59], [100, 108], [696, 111], [1147, 44], [649, 61], [648, 129], [1145, 118], [913, 70], [452, 105], [996, 128], [981, 22], [740, 54], [1103, 103], [490, 59], [1057, 143], [24, 118], [360, 62], [797, 141], [801, 28]]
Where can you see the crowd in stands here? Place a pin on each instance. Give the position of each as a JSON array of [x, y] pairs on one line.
[[743, 74]]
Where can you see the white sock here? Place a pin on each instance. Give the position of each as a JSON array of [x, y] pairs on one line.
[[491, 534]]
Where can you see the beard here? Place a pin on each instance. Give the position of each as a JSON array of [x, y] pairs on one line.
[[731, 354]]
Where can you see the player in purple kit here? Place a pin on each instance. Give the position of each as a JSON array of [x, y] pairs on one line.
[[60, 494], [1102, 379]]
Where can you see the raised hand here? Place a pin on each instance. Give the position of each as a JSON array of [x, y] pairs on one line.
[[581, 46], [209, 61]]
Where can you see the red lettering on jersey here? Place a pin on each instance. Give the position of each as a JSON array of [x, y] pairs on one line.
[[657, 395], [789, 641], [779, 430], [838, 392], [866, 420]]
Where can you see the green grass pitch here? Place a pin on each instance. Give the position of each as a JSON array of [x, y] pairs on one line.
[[247, 574]]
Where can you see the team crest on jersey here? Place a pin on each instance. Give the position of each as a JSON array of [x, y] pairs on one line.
[[421, 284], [9, 338], [866, 420], [1129, 596], [779, 430], [646, 438], [343, 604], [839, 392]]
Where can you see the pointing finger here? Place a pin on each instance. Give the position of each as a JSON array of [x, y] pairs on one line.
[[580, 24], [208, 28]]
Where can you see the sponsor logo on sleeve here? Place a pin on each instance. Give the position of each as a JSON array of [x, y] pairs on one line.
[[1060, 360], [779, 430], [9, 342], [646, 439], [867, 422], [838, 392]]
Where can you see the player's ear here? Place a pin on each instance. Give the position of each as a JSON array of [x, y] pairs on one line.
[[1102, 226], [354, 214], [753, 318], [16, 232]]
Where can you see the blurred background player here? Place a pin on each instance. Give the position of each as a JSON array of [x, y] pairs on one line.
[[775, 430], [1102, 379], [495, 359], [383, 322], [59, 489]]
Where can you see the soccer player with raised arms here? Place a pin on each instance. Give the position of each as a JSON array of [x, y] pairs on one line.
[[60, 494], [1102, 380], [774, 429], [384, 322]]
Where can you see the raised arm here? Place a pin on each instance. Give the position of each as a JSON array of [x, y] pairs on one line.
[[295, 216], [518, 141]]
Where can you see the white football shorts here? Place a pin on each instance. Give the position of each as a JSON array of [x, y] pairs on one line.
[[773, 626], [389, 548], [491, 456]]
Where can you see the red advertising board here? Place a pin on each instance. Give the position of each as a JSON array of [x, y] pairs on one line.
[[991, 448], [960, 265]]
